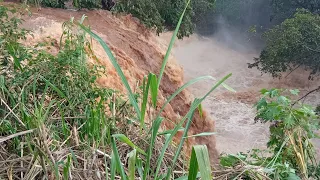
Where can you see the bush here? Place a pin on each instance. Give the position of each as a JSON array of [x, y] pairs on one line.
[[55, 117], [291, 45], [159, 13], [290, 153]]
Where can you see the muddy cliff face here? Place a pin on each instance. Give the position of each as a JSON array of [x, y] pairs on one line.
[[138, 52]]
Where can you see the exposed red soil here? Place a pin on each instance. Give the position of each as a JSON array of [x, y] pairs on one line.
[[138, 53]]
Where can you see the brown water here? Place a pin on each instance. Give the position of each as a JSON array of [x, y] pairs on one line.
[[233, 112]]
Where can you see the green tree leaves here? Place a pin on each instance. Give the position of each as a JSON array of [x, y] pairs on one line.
[[159, 13], [290, 45]]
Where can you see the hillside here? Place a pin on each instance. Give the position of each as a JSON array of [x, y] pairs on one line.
[[137, 51], [80, 99]]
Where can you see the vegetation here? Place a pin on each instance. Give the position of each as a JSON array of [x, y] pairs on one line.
[[159, 13], [291, 45], [287, 8], [290, 154], [54, 119], [154, 14], [57, 123]]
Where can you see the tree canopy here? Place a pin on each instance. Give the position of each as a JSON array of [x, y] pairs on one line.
[[292, 44], [283, 9], [158, 14]]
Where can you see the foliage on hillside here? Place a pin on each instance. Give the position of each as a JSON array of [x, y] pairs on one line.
[[292, 44], [283, 9], [62, 125], [57, 123], [159, 13], [290, 153], [155, 14], [245, 13]]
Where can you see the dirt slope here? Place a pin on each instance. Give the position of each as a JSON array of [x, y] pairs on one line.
[[138, 53]]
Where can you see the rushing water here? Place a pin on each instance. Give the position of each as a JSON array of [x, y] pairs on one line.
[[234, 112]]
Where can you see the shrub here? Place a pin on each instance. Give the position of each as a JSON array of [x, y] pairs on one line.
[[53, 114], [157, 14], [290, 153], [291, 45]]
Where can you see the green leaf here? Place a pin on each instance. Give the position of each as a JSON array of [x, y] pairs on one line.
[[166, 57], [228, 87], [169, 131], [113, 166], [263, 91], [199, 160], [144, 100], [261, 103], [200, 110], [125, 139], [139, 167], [178, 151], [117, 67], [293, 176], [193, 167], [60, 93], [116, 160], [132, 163], [193, 107], [186, 85], [154, 131], [202, 134], [66, 168], [229, 160], [295, 91], [154, 90]]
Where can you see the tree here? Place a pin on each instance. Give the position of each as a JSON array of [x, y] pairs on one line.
[[292, 44], [158, 14], [244, 13], [283, 9]]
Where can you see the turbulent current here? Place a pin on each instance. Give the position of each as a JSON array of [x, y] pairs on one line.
[[234, 112]]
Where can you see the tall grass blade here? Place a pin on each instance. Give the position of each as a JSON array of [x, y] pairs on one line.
[[193, 106], [199, 160], [186, 85], [154, 90], [132, 164], [145, 94], [190, 117], [154, 131], [60, 93], [117, 160], [66, 168], [113, 166], [202, 157], [193, 166], [139, 167], [201, 134], [126, 140], [166, 57], [228, 87], [169, 131], [200, 110], [117, 67]]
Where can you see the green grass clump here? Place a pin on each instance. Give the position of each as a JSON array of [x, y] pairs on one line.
[[53, 114]]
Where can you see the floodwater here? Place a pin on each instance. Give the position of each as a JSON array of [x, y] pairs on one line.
[[233, 112]]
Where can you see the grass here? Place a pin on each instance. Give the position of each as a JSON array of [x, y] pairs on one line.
[[57, 123], [53, 126]]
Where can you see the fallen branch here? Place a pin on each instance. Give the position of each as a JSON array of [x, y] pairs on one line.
[[310, 92]]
